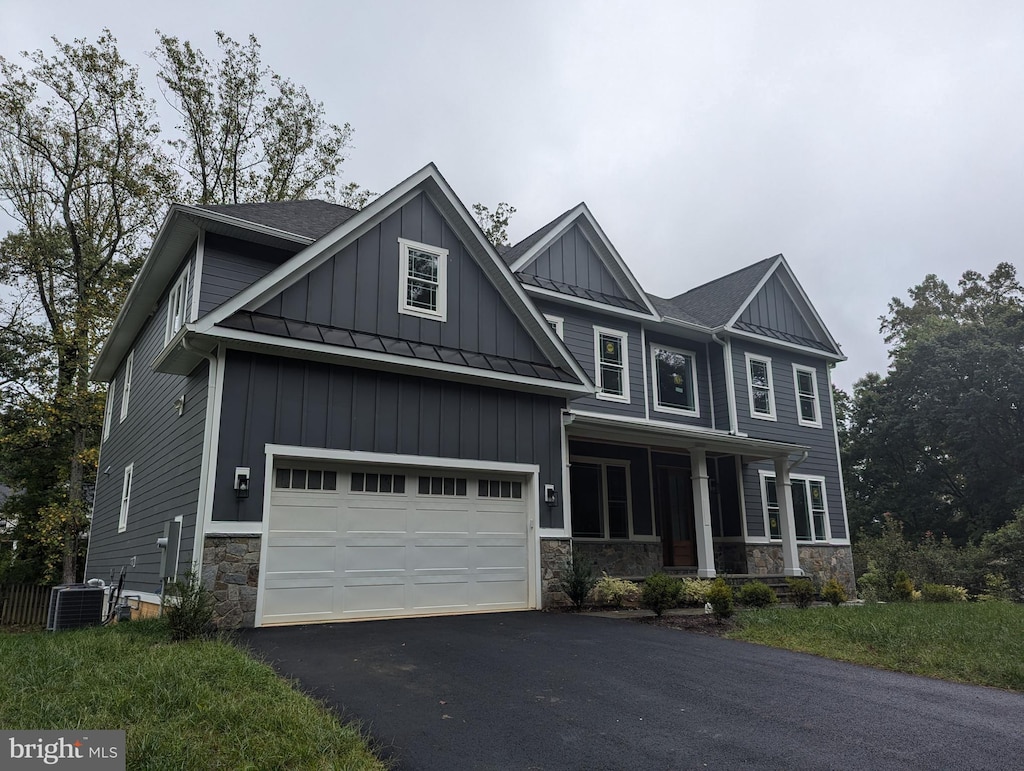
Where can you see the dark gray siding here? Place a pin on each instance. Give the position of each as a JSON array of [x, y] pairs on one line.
[[719, 388], [167, 452], [578, 334], [642, 507], [572, 260], [284, 401], [822, 460], [700, 350], [358, 289], [230, 265], [773, 308]]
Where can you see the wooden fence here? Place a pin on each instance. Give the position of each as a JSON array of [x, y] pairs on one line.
[[24, 604]]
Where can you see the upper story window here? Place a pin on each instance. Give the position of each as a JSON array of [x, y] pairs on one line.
[[761, 390], [808, 412], [423, 288], [810, 510], [126, 391], [610, 359], [557, 324], [126, 495], [675, 380], [109, 409], [176, 306]]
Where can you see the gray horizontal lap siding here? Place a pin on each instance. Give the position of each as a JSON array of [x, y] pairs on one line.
[[773, 308], [358, 289], [230, 265], [572, 260], [167, 452], [719, 387], [271, 400], [821, 460], [578, 334], [704, 395]]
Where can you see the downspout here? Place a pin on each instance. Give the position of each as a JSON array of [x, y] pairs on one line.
[[730, 385], [207, 468], [801, 459]]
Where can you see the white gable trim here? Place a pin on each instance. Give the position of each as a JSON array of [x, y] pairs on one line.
[[604, 249], [609, 310]]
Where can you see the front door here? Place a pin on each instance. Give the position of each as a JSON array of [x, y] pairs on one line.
[[675, 511]]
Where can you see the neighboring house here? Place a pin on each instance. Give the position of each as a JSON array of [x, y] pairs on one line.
[[373, 414]]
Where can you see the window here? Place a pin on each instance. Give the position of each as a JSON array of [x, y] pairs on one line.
[[127, 390], [810, 512], [109, 409], [176, 308], [378, 483], [126, 494], [422, 286], [601, 498], [557, 323], [675, 381], [442, 486], [806, 380], [611, 357], [499, 488], [305, 479], [762, 394]]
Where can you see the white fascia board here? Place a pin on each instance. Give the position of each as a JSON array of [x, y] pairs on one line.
[[704, 333], [395, 459], [611, 310], [757, 288], [305, 349], [242, 224], [699, 436], [776, 343], [553, 235]]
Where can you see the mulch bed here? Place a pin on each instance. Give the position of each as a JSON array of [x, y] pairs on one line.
[[703, 624]]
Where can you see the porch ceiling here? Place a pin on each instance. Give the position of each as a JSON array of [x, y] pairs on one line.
[[589, 425]]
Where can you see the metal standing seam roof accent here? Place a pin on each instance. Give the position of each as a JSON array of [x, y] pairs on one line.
[[757, 329], [276, 326], [578, 291]]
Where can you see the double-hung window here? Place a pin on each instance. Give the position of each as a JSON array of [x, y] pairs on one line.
[[611, 364], [423, 273], [806, 382], [810, 510], [109, 409], [760, 388], [126, 390], [126, 495], [177, 311], [675, 381]]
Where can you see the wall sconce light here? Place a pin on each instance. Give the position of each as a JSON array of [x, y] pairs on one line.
[[242, 482], [550, 495], [179, 405]]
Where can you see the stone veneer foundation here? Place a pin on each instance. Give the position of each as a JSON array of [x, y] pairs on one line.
[[231, 570], [819, 562]]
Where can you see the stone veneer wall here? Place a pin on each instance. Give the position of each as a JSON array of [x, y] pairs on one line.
[[621, 558], [231, 570], [819, 562], [553, 554]]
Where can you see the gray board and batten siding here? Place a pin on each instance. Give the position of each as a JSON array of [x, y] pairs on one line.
[[822, 459], [274, 400], [358, 289], [167, 450], [572, 260]]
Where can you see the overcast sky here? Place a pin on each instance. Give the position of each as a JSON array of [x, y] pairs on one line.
[[871, 143]]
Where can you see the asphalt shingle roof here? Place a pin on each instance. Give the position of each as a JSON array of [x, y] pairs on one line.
[[713, 304], [313, 218]]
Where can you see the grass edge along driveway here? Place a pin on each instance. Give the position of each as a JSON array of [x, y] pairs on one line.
[[197, 704], [974, 643]]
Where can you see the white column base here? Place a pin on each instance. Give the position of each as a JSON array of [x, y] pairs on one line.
[[706, 573], [793, 572]]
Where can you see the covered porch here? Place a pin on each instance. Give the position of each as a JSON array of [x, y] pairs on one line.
[[647, 495]]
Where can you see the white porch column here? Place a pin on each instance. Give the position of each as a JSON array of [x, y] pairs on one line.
[[702, 510], [784, 493]]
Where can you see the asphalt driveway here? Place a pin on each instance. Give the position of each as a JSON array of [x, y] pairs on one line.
[[560, 691]]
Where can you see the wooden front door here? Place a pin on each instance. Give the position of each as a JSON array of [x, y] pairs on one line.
[[675, 511]]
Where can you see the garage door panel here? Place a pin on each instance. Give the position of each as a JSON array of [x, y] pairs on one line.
[[357, 555]]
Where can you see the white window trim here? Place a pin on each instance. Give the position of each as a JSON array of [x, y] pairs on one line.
[[750, 388], [126, 390], [604, 463], [803, 479], [176, 301], [126, 494], [109, 408], [558, 323], [797, 369], [624, 347], [658, 407], [441, 313]]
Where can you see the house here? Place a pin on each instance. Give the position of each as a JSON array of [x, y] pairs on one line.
[[350, 415]]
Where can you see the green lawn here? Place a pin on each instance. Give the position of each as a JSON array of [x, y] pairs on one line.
[[195, 705], [979, 643]]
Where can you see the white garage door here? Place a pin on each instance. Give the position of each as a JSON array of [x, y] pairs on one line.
[[372, 542]]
